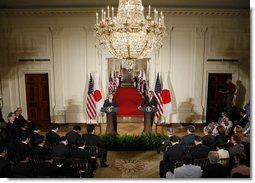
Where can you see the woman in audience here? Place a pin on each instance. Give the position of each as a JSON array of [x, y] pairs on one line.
[[225, 122], [221, 134], [238, 130], [237, 148], [220, 146], [241, 170]]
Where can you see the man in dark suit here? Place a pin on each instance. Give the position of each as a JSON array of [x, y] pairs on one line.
[[93, 140], [19, 121], [151, 101], [190, 137], [199, 150], [52, 137], [20, 116], [5, 166], [111, 102], [120, 80], [244, 118], [81, 153], [74, 135], [22, 147], [61, 149], [171, 156], [209, 139], [12, 128], [214, 169], [40, 149], [35, 136]]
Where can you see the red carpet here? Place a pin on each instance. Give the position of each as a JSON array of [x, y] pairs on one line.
[[128, 100]]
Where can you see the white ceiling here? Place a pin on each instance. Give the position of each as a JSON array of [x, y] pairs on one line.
[[229, 4]]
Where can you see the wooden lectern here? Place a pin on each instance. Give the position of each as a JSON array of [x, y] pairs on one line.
[[148, 111], [109, 111]]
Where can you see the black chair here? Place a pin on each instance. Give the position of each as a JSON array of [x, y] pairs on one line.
[[93, 150], [82, 166], [49, 145], [36, 160], [13, 157], [59, 161], [202, 162], [178, 164]]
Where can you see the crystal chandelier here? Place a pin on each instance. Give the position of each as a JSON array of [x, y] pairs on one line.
[[129, 35], [128, 64]]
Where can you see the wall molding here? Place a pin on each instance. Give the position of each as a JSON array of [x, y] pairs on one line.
[[92, 11]]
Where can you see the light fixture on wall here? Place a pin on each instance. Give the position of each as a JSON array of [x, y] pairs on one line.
[[129, 35]]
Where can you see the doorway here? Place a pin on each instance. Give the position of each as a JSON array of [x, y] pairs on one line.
[[215, 99], [37, 97], [127, 76]]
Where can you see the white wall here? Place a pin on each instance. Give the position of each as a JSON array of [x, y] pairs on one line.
[[66, 37]]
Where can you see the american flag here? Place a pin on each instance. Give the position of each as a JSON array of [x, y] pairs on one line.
[[111, 84], [91, 103], [158, 96]]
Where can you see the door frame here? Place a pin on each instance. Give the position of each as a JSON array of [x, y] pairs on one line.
[[206, 84], [22, 89]]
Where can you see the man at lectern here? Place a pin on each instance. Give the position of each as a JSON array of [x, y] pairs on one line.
[[111, 102], [151, 101]]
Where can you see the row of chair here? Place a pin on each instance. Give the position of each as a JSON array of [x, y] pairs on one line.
[[203, 162]]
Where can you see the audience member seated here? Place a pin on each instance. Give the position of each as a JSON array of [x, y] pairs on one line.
[[81, 153], [238, 148], [4, 138], [23, 169], [74, 135], [246, 131], [220, 146], [199, 150], [11, 127], [208, 139], [189, 138], [29, 124], [187, 170], [244, 118], [238, 130], [214, 169], [241, 170], [35, 135], [171, 156], [221, 134], [47, 169], [20, 117], [93, 140], [19, 121], [5, 166], [166, 143], [22, 147], [52, 137], [40, 150], [24, 131], [225, 122], [61, 149]]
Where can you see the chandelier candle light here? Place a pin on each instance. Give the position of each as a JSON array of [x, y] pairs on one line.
[[129, 35]]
